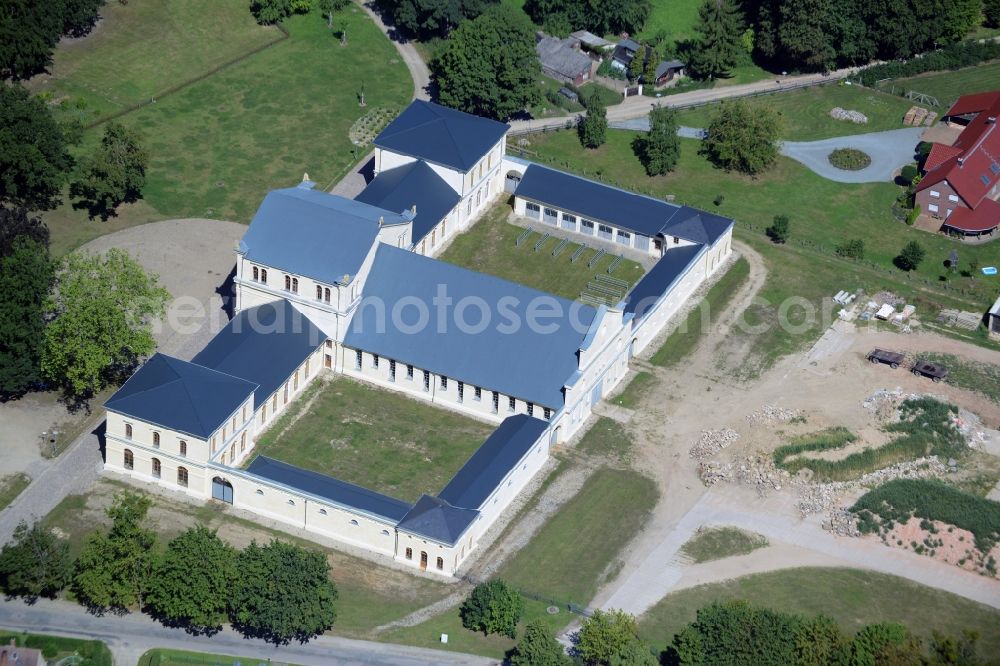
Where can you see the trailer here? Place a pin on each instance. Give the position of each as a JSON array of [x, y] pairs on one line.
[[889, 358], [935, 372]]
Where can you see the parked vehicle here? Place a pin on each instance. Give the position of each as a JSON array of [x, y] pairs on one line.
[[890, 358], [923, 368]]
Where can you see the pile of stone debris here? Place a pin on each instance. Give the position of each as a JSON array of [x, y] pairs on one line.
[[838, 113], [757, 471], [842, 523], [771, 414], [884, 403], [713, 441]]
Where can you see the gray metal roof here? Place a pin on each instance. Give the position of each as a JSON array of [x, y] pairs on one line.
[[621, 208], [182, 396], [264, 345], [320, 235], [506, 355], [326, 487], [499, 454], [666, 65], [413, 184], [660, 277], [441, 135], [558, 56], [437, 520]]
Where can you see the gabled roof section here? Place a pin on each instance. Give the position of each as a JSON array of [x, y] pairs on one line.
[[182, 396], [508, 355], [940, 153], [413, 184], [654, 284], [621, 208], [334, 490], [558, 56], [437, 520], [441, 135], [263, 345], [976, 103], [984, 217], [494, 460], [973, 173], [311, 233], [667, 65]]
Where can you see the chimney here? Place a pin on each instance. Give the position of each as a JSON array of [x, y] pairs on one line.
[[347, 278], [305, 177], [381, 221], [414, 209]]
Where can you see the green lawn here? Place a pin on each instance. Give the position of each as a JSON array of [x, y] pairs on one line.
[[219, 145], [11, 486], [716, 543], [369, 595], [162, 657], [576, 550], [608, 440], [489, 247], [145, 48], [852, 597], [634, 390], [823, 214], [673, 21], [375, 438], [57, 648], [805, 113], [949, 86], [685, 338]]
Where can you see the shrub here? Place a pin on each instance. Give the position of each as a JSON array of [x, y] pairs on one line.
[[270, 11], [852, 249], [908, 173], [778, 231], [493, 607], [911, 217], [719, 198], [849, 159], [954, 56], [911, 255]]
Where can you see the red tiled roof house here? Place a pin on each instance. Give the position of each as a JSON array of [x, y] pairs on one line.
[[961, 182]]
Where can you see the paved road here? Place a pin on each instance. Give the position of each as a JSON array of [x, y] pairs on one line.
[[660, 571], [889, 151], [419, 71], [132, 635]]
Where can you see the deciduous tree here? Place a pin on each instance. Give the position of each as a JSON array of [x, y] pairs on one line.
[[660, 148], [489, 66], [34, 161], [429, 18], [910, 256], [282, 592], [606, 635], [718, 47], [114, 174], [25, 280], [35, 563], [331, 7], [191, 581], [599, 16], [113, 570], [741, 139], [80, 16], [538, 647], [17, 222], [29, 32], [493, 607], [270, 11], [778, 231], [102, 309]]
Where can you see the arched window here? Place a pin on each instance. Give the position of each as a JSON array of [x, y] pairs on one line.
[[440, 564], [322, 512], [129, 461], [256, 274], [354, 522], [385, 532], [409, 553], [288, 283], [183, 446], [156, 440], [243, 441], [128, 431], [295, 285], [319, 293], [263, 275], [156, 468], [182, 477]]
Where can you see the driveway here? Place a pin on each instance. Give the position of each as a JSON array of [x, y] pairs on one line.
[[130, 636], [889, 151], [419, 71]]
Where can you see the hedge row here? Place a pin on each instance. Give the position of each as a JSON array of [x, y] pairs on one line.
[[954, 56]]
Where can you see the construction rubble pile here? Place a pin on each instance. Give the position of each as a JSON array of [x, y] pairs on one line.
[[757, 471], [842, 523], [971, 427], [770, 414], [884, 404], [838, 113], [713, 441], [820, 497]]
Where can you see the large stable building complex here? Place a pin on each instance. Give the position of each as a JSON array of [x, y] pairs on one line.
[[326, 284]]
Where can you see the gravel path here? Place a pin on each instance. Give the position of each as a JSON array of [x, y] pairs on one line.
[[419, 71]]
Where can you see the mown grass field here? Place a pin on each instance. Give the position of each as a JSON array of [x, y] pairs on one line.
[[674, 21], [805, 113], [634, 390], [142, 49], [218, 145], [852, 597], [11, 486], [368, 595], [949, 86], [374, 438], [489, 247]]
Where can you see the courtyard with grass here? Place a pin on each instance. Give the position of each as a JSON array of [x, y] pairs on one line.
[[805, 113], [369, 595], [490, 246], [378, 439], [852, 597], [218, 145]]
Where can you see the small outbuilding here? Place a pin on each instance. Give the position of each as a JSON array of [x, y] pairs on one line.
[[993, 320], [668, 70], [563, 62]]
